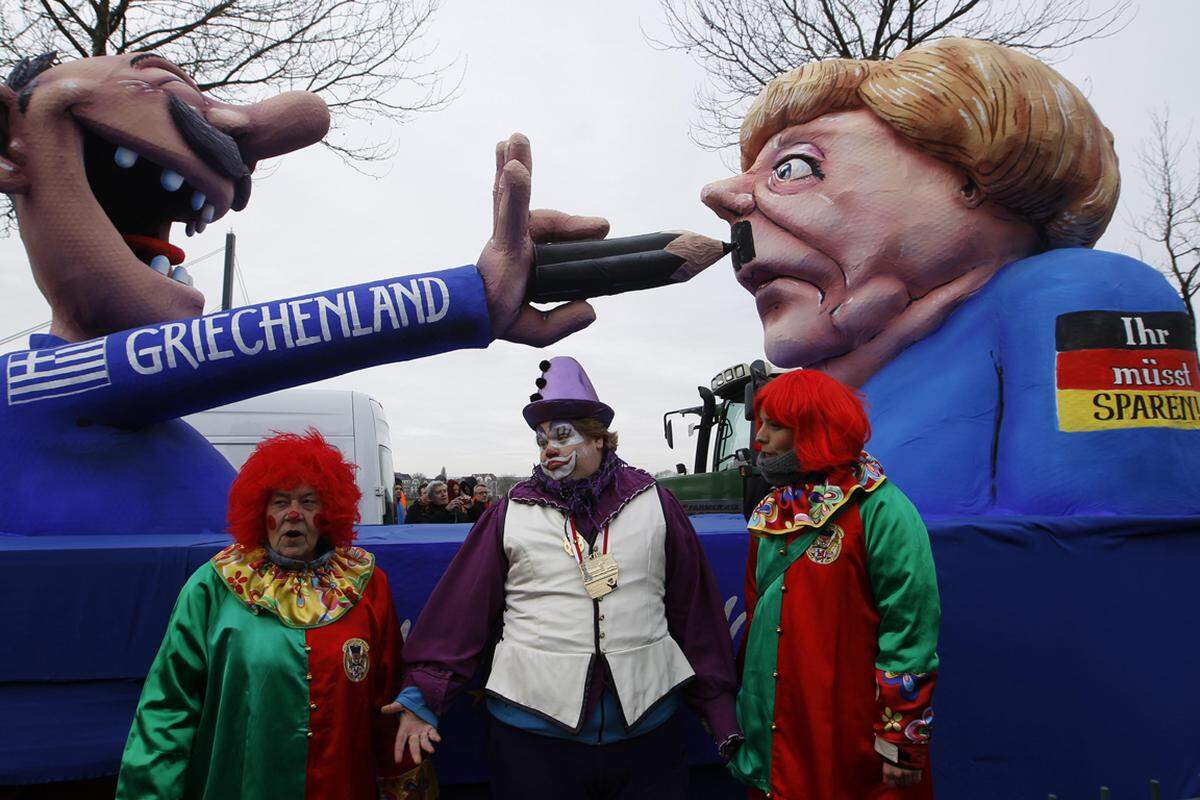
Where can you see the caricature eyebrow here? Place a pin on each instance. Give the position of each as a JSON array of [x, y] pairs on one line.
[[24, 77], [157, 61]]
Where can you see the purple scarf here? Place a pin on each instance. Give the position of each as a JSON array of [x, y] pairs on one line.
[[582, 496]]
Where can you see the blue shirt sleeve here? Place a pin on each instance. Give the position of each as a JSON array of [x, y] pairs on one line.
[[145, 375], [412, 699], [1043, 466]]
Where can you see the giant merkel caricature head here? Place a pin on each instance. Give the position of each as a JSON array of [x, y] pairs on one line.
[[880, 195]]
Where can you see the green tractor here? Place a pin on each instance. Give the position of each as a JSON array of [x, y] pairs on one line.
[[723, 479]]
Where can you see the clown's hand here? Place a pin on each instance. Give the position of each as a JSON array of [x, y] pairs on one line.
[[506, 262], [415, 736], [898, 777]]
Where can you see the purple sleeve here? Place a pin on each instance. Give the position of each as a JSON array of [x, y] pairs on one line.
[[696, 620], [462, 615]]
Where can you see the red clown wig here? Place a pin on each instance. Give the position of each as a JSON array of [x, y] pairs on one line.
[[827, 418], [283, 462]]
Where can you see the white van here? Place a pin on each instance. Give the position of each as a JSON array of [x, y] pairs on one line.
[[351, 421]]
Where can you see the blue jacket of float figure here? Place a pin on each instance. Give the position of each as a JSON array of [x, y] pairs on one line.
[[90, 431], [1067, 385]]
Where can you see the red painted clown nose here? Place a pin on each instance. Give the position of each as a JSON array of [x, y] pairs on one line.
[[292, 516]]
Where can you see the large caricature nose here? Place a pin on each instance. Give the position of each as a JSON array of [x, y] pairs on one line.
[[275, 126], [731, 198]]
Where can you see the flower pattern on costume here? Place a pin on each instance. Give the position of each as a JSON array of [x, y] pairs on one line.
[[300, 599], [419, 783], [905, 707], [907, 681], [236, 580], [891, 719], [920, 729], [811, 505]]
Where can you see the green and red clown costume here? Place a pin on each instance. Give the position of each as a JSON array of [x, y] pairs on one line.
[[272, 674], [269, 683], [840, 657]]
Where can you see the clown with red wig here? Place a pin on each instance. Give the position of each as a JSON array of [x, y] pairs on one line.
[[280, 652], [843, 611]]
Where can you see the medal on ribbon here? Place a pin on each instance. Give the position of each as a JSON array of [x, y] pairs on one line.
[[597, 569]]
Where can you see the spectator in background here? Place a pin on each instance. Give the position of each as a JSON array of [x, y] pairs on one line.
[[480, 501], [453, 490], [440, 508], [419, 505], [399, 506]]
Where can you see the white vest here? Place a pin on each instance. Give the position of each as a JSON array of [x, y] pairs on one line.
[[553, 631]]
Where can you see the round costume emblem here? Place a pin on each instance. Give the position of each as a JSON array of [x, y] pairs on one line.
[[826, 548], [355, 659]]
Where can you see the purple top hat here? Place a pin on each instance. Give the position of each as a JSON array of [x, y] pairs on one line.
[[564, 392]]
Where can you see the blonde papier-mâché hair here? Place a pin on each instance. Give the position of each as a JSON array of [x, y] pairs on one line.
[[1026, 137]]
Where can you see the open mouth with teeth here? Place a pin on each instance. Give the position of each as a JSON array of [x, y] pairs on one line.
[[142, 199]]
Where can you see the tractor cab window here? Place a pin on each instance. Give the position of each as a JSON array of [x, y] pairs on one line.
[[733, 433]]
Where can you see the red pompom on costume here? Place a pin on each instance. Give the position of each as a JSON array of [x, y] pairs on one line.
[[283, 462], [840, 655]]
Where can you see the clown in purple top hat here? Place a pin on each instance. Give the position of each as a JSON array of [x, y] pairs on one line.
[[566, 413], [564, 392], [587, 537]]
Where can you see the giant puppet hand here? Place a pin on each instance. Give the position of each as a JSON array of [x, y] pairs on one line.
[[507, 259]]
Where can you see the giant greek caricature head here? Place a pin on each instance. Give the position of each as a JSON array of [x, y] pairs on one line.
[[880, 195], [102, 155]]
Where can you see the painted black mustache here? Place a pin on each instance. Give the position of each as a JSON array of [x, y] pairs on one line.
[[743, 243], [218, 150]]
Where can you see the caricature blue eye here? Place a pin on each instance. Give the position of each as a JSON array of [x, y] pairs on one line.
[[794, 168]]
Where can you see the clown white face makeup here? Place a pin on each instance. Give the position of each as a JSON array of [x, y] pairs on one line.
[[293, 527], [565, 453]]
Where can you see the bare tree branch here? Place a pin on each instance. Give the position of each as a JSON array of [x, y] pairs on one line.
[[367, 58], [83, 51], [744, 44], [1173, 219], [167, 35], [364, 56]]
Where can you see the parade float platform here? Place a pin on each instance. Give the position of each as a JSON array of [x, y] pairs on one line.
[[1069, 648]]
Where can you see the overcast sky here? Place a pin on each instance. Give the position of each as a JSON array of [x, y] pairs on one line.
[[609, 117]]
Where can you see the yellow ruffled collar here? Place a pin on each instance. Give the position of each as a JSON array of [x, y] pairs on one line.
[[306, 598]]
